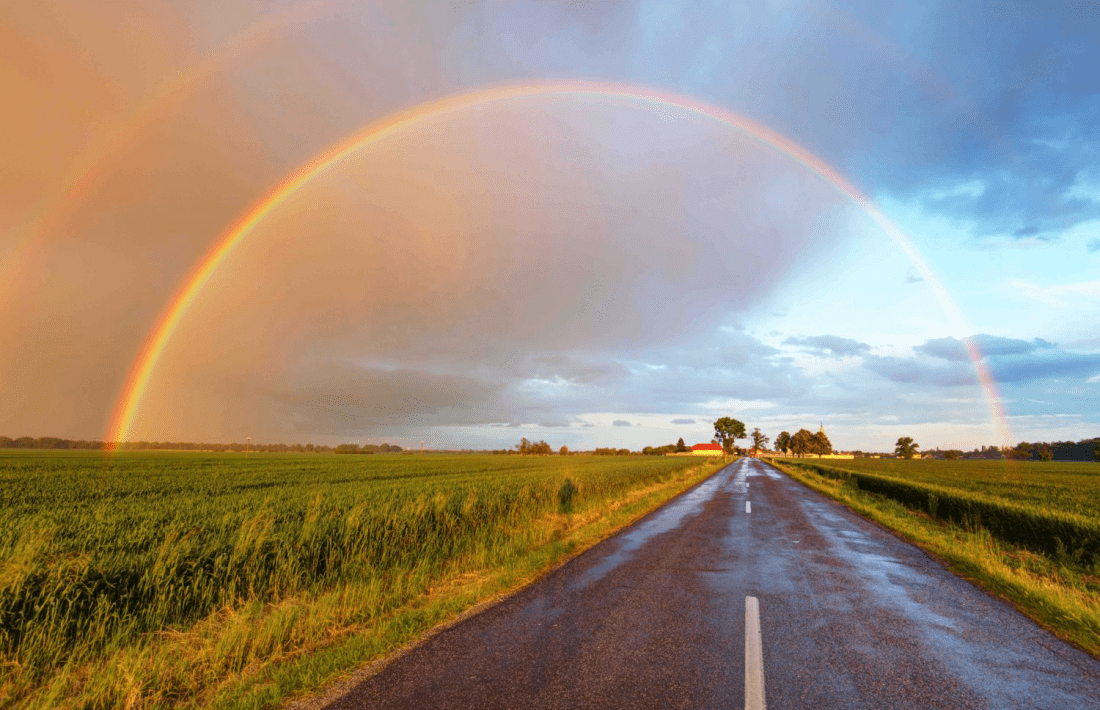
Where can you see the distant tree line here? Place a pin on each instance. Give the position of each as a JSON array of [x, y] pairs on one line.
[[678, 448], [804, 443], [48, 442], [368, 449], [1084, 450], [536, 448], [53, 442]]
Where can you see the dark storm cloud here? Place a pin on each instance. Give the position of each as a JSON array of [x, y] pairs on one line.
[[1045, 367], [989, 346], [1020, 120], [944, 362], [739, 348], [829, 345], [574, 369], [346, 398], [922, 372]]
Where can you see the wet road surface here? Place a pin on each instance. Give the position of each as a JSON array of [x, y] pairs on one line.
[[655, 617]]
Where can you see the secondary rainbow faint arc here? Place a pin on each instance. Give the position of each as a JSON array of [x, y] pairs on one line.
[[147, 358], [95, 161]]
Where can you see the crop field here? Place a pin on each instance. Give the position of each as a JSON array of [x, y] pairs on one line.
[[1026, 530], [1068, 487], [167, 578]]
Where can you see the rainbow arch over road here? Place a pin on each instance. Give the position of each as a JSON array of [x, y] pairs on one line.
[[145, 363]]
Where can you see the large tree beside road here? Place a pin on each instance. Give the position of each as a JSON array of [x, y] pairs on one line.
[[727, 431], [803, 443], [906, 447], [759, 441]]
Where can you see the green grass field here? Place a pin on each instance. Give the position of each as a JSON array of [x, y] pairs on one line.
[[1068, 487], [169, 578], [1025, 530]]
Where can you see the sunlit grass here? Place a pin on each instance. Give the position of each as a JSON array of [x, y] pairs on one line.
[[161, 579]]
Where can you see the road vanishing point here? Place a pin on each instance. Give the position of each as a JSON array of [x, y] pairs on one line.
[[751, 591]]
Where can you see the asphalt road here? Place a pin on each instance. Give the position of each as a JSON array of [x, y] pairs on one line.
[[655, 617]]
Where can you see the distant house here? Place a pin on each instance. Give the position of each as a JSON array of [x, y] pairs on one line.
[[706, 450]]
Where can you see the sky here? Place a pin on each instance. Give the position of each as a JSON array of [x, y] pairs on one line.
[[588, 268]]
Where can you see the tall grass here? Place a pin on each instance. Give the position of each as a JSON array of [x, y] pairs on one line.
[[149, 578]]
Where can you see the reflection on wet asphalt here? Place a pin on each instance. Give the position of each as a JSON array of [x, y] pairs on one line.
[[851, 617], [667, 518]]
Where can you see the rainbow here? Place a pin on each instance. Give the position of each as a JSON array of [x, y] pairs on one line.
[[145, 363]]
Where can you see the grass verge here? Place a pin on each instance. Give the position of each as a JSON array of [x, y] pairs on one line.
[[1056, 591]]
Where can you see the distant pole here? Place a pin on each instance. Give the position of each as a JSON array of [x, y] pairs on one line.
[[421, 446], [247, 445]]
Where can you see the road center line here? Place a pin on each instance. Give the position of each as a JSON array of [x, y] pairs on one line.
[[754, 657], [748, 506]]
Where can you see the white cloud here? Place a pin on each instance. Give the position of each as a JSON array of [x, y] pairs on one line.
[[1093, 380], [734, 405], [1058, 295]]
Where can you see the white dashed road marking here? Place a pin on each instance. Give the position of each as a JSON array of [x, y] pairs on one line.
[[754, 657], [748, 507]]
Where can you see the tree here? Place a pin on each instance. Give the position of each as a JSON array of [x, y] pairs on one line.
[[524, 446], [563, 451], [1096, 452], [952, 454], [1046, 452], [822, 445], [906, 447], [783, 441], [1023, 450], [802, 443], [759, 441], [727, 431], [680, 445]]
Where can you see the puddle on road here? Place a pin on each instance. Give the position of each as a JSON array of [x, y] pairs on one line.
[[668, 519], [738, 485], [887, 579], [756, 467], [991, 670]]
